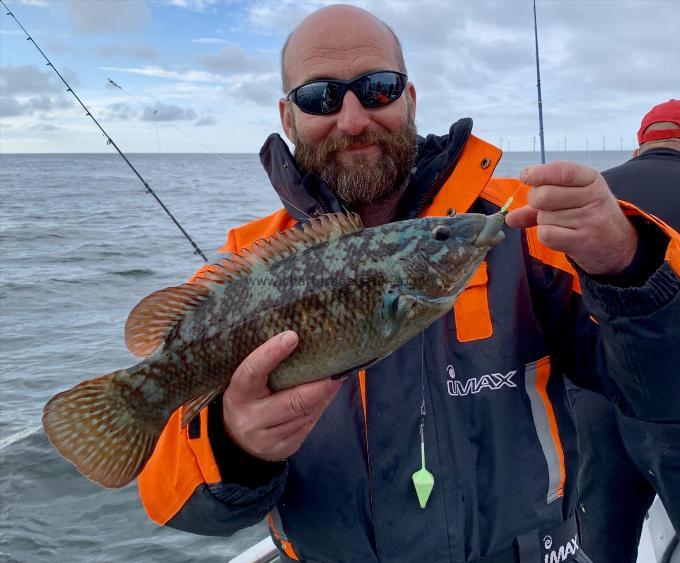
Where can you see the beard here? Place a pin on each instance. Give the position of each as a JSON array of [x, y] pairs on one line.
[[364, 180]]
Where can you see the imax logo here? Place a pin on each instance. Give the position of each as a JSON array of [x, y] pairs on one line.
[[492, 382], [563, 553]]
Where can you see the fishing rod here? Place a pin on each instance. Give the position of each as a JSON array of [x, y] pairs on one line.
[[538, 85], [109, 140]]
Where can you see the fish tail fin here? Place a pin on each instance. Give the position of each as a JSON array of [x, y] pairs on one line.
[[92, 428]]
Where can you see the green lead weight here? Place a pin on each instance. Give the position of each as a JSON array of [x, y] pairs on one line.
[[423, 480]]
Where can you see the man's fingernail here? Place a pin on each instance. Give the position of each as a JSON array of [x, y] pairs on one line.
[[289, 339], [524, 174]]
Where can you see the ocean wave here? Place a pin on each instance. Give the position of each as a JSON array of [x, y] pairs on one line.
[[135, 273], [20, 435]]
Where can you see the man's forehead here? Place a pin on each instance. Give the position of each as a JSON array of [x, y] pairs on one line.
[[339, 45], [341, 62]]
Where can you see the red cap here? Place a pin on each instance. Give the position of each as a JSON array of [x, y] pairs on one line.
[[667, 111]]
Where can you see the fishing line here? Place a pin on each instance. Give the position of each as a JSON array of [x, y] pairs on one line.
[[423, 480], [147, 107], [109, 140], [158, 139], [194, 139], [150, 108]]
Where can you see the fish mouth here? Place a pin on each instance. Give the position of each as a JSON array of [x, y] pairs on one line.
[[491, 233], [432, 267]]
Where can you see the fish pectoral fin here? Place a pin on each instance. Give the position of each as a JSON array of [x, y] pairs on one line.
[[193, 407], [152, 319], [395, 308], [358, 368]]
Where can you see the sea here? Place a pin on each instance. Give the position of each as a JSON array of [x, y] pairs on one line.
[[81, 242]]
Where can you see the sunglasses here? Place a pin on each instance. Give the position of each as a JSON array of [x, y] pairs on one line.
[[374, 89]]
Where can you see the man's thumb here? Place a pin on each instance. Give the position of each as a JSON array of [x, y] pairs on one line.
[[249, 381], [522, 218]]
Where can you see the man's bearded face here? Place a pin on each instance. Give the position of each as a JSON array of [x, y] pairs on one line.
[[363, 179]]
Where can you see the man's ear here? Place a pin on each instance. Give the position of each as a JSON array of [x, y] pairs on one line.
[[286, 115], [411, 93]]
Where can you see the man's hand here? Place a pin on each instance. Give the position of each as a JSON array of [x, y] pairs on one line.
[[267, 425], [576, 213]]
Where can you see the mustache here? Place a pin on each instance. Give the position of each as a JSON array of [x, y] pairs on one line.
[[368, 137]]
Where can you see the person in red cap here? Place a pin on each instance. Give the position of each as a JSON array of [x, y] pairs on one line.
[[619, 475], [660, 127]]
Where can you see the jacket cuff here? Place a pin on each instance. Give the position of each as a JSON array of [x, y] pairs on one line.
[[235, 494], [649, 255], [662, 286], [646, 285], [238, 468]]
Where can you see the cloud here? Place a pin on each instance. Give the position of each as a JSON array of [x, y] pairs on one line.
[[208, 40], [262, 90], [36, 3], [132, 51], [107, 17], [233, 59], [280, 16], [10, 107], [14, 107], [27, 79], [206, 120], [46, 127], [465, 58], [167, 112], [195, 5], [158, 72], [119, 111]]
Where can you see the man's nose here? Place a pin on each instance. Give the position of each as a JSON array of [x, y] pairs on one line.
[[352, 118]]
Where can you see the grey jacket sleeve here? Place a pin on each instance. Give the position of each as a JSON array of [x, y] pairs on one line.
[[640, 338], [640, 328]]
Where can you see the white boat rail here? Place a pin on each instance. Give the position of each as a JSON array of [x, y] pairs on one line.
[[664, 536], [262, 552]]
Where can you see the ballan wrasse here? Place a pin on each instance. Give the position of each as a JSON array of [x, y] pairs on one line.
[[352, 294]]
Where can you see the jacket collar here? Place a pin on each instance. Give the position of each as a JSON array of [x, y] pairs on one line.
[[307, 195]]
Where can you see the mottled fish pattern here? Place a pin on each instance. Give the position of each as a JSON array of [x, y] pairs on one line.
[[353, 295]]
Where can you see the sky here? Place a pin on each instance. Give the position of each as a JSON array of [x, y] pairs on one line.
[[203, 75]]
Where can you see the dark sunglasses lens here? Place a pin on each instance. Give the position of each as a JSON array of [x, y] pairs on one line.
[[319, 97], [380, 88]]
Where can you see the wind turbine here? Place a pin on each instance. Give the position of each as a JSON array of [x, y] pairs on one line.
[[603, 141], [587, 144]]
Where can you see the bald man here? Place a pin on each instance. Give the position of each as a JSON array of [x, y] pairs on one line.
[[620, 473], [330, 464]]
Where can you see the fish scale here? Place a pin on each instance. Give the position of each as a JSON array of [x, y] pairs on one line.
[[352, 295]]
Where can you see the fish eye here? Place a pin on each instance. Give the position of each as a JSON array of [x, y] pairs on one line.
[[441, 233]]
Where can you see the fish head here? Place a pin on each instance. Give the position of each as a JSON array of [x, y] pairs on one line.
[[445, 252]]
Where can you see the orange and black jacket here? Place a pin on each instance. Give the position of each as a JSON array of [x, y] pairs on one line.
[[499, 435]]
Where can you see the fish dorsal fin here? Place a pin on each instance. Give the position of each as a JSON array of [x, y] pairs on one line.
[[153, 318], [317, 230], [266, 251]]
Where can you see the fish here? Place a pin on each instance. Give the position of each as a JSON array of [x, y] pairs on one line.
[[352, 294]]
